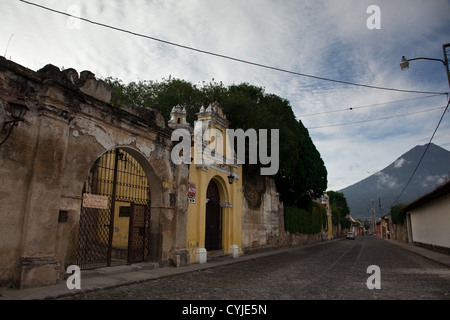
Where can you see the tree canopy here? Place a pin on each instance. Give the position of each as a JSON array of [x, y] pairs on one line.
[[397, 215], [339, 208], [301, 173]]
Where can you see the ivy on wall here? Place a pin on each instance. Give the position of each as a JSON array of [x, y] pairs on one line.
[[306, 221]]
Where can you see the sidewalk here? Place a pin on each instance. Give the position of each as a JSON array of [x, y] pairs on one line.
[[110, 277], [437, 257]]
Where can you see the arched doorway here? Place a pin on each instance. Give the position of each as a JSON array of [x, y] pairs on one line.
[[115, 214], [213, 224]]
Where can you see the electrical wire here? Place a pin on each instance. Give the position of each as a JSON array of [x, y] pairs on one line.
[[377, 119], [366, 106], [423, 155], [225, 56]]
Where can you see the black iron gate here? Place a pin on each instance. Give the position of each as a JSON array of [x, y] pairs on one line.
[[117, 188], [139, 233]]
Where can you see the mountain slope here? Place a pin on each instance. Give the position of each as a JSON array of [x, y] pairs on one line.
[[388, 183]]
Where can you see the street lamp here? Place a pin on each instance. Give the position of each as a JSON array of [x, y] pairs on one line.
[[404, 65], [230, 177], [18, 108]]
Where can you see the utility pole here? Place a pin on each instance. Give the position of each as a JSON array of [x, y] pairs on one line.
[[381, 216], [447, 68], [374, 219]]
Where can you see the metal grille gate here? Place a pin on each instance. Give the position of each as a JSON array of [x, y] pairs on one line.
[[119, 178], [138, 233]]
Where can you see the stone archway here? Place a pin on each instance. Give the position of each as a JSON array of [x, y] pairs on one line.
[[70, 124], [114, 225]]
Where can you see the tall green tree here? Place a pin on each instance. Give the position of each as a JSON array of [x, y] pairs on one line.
[[339, 208]]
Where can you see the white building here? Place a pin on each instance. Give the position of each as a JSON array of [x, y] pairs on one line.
[[428, 220]]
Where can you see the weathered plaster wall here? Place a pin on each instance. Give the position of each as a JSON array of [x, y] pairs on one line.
[[46, 160], [263, 219], [262, 216]]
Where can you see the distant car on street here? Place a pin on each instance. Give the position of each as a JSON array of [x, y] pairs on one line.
[[350, 235]]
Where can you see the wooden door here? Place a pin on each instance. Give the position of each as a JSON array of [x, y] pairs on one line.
[[213, 225]]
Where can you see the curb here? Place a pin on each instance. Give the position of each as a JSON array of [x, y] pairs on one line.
[[433, 256], [112, 277]]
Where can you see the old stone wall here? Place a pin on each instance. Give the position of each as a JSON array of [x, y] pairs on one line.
[[48, 156], [339, 232], [399, 232], [262, 217], [293, 239]]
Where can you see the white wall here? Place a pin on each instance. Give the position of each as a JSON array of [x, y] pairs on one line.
[[430, 223]]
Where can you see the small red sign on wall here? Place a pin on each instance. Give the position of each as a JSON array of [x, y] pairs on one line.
[[192, 190]]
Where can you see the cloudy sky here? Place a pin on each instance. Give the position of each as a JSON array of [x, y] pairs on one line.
[[357, 130]]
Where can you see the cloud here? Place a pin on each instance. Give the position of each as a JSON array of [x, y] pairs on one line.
[[324, 38], [432, 181], [384, 180], [399, 163]]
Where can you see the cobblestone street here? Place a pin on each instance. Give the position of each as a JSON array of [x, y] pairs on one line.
[[333, 270]]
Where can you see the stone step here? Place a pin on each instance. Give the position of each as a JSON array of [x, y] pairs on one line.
[[218, 257]]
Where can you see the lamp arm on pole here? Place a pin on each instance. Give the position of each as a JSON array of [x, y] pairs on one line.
[[432, 59], [12, 124], [7, 131], [405, 62]]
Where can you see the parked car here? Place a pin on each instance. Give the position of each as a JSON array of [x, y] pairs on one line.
[[350, 235]]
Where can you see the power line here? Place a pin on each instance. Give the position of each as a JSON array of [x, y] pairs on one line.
[[225, 56], [423, 155], [377, 119], [7, 46], [366, 106]]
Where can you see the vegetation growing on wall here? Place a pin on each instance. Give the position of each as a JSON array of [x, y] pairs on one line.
[[307, 221], [397, 216]]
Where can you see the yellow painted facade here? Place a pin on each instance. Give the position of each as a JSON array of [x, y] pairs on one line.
[[216, 171], [325, 201], [202, 172], [231, 209], [121, 227]]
